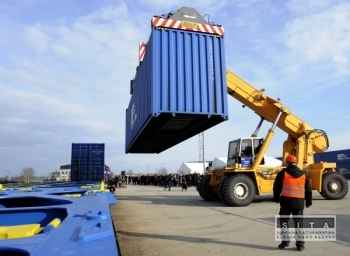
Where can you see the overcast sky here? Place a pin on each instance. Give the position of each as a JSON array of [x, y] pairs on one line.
[[66, 66]]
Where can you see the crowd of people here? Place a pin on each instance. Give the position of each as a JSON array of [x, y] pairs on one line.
[[162, 180]]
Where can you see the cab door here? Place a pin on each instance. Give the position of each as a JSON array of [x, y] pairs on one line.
[[257, 143], [243, 151], [247, 154]]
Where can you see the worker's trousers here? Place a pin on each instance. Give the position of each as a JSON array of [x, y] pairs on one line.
[[298, 224]]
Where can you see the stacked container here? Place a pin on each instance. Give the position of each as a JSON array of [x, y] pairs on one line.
[[87, 162], [179, 89]]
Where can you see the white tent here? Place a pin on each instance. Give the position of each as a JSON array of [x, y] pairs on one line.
[[192, 168], [218, 162], [272, 161], [221, 162]]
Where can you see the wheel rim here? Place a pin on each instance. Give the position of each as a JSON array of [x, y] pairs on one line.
[[334, 186], [241, 190]]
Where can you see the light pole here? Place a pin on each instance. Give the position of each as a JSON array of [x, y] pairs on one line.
[[203, 153]]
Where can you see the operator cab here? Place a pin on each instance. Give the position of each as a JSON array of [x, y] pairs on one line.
[[243, 151]]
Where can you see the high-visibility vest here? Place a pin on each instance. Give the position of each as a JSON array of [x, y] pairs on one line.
[[293, 187]]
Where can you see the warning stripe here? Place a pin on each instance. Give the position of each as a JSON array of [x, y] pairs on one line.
[[167, 23], [142, 50]]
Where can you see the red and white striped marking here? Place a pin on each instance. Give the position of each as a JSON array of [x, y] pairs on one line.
[[161, 22], [142, 50]]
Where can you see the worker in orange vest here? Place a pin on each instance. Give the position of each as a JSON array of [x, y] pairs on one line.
[[291, 189]]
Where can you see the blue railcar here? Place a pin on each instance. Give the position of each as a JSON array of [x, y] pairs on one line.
[[337, 156], [344, 169], [340, 157], [88, 161], [179, 89], [67, 220]]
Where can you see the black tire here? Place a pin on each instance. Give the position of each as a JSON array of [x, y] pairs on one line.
[[112, 189], [220, 186], [238, 190], [199, 188], [205, 191], [334, 186]]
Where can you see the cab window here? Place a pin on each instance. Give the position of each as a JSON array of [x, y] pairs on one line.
[[246, 149]]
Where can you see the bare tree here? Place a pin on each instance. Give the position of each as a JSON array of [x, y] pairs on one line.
[[130, 172], [162, 171], [27, 173]]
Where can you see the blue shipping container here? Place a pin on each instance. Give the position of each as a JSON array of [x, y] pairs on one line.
[[340, 157], [344, 169], [179, 90], [337, 156], [87, 162]]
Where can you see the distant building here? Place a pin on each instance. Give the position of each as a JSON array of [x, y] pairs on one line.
[[62, 175], [65, 172], [107, 171], [54, 175]]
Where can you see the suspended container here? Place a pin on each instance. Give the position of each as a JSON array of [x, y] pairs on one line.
[[88, 162], [180, 85]]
